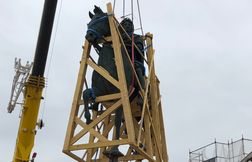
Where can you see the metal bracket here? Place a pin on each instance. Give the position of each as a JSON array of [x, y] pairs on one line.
[[20, 77]]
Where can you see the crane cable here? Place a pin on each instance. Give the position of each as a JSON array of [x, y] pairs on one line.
[[132, 36], [50, 59], [114, 6], [139, 13], [123, 8], [140, 19]]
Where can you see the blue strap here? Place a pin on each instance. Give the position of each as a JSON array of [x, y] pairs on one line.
[[88, 95], [145, 49], [92, 94], [98, 20], [95, 32]]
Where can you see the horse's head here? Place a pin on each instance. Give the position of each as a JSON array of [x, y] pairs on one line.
[[98, 27]]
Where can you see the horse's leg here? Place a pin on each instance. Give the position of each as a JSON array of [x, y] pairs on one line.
[[118, 121], [114, 153], [87, 115], [87, 98]]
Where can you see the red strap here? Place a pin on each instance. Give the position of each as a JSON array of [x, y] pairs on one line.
[[133, 60]]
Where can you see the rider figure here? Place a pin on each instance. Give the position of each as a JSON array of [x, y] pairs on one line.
[[126, 33]]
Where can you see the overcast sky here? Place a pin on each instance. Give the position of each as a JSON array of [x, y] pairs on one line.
[[203, 60]]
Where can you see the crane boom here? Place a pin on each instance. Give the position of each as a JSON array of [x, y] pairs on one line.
[[34, 87]]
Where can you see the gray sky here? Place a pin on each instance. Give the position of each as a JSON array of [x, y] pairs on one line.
[[203, 60]]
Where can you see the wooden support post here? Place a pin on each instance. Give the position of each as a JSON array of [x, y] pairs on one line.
[[121, 76], [162, 128], [77, 95]]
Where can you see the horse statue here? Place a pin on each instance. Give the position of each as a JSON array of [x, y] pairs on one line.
[[98, 29]]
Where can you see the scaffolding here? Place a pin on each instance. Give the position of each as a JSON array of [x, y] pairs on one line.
[[234, 151]]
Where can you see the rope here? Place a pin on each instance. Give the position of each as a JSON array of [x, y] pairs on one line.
[[132, 11], [114, 6], [140, 19], [50, 58], [123, 8]]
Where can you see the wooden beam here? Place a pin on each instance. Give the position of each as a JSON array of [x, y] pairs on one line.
[[108, 124], [154, 98], [121, 75], [99, 144], [148, 135], [77, 94], [103, 73], [104, 98], [145, 101], [131, 157], [86, 128], [143, 153], [72, 155], [162, 128], [91, 130]]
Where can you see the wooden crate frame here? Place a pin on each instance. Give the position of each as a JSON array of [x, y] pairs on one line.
[[145, 139]]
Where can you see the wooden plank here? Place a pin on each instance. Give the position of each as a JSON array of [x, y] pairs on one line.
[[129, 151], [162, 128], [92, 136], [75, 157], [123, 158], [131, 157], [101, 160], [98, 135], [143, 153], [98, 144], [86, 128], [154, 137], [108, 97], [77, 94], [103, 73], [145, 101], [104, 98], [121, 75], [153, 92], [157, 143], [148, 135], [122, 129], [107, 126], [92, 131]]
